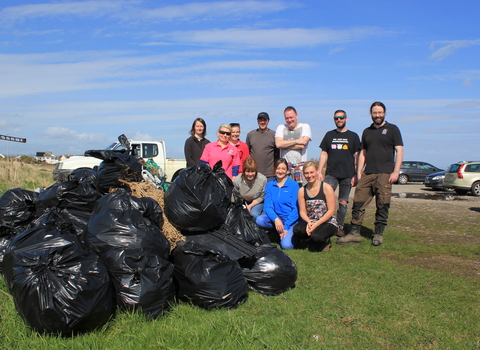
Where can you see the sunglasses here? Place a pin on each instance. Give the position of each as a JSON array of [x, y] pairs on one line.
[[234, 124], [341, 117], [225, 132]]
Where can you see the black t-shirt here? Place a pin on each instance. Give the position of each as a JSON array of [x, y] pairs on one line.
[[379, 144], [341, 148]]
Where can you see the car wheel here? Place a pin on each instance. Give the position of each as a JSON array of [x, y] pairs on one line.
[[476, 189], [402, 179], [461, 192]]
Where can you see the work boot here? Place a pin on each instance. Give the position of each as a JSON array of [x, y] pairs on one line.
[[352, 237], [378, 236]]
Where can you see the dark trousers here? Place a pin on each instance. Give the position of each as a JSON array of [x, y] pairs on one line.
[[320, 235]]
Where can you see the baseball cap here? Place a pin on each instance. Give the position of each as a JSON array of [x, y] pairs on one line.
[[263, 115]]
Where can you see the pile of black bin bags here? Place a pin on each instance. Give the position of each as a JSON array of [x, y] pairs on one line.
[[74, 252]]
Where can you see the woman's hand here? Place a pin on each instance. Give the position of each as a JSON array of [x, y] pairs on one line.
[[310, 227], [282, 235], [279, 226]]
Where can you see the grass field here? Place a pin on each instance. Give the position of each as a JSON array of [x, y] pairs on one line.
[[420, 290]]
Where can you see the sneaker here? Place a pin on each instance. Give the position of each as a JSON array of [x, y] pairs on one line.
[[377, 240]]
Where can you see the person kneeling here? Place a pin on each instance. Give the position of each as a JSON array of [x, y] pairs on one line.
[[316, 201]]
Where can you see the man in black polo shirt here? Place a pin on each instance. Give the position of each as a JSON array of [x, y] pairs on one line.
[[340, 148], [382, 155]]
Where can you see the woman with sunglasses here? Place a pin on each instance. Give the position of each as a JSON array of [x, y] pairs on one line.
[[316, 201], [281, 208], [222, 150]]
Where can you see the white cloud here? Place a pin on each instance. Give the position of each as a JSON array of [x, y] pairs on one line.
[[10, 15], [61, 133], [274, 38], [132, 10], [449, 48]]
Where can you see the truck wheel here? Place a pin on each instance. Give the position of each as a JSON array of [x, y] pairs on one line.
[[175, 175]]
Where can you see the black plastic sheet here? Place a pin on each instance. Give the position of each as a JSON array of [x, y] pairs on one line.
[[199, 198], [142, 281], [58, 287], [208, 278], [270, 272], [123, 221]]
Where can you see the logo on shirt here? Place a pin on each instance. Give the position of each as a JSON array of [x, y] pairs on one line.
[[230, 151], [384, 131]]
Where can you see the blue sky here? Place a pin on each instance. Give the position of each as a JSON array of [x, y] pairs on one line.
[[76, 74]]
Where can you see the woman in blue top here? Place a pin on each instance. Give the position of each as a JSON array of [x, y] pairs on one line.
[[281, 207]]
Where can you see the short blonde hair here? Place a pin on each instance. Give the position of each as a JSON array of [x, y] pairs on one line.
[[250, 164], [225, 126]]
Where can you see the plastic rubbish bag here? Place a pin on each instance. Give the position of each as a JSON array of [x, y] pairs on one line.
[[207, 278], [142, 281], [72, 201], [240, 223], [227, 243], [199, 198], [58, 287], [123, 221], [17, 210], [116, 166], [270, 272]]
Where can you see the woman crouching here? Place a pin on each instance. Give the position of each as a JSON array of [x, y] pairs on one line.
[[316, 201]]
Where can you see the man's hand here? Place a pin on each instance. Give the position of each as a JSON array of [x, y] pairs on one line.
[[393, 177]]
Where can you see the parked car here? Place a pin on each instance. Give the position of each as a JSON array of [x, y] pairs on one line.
[[415, 171], [463, 177], [435, 180]]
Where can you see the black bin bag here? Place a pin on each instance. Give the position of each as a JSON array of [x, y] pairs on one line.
[[199, 198], [208, 278], [69, 203], [123, 221], [116, 166], [270, 272], [142, 281], [240, 223], [58, 287], [17, 211]]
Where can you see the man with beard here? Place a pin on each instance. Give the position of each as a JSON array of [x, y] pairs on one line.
[[340, 149], [382, 155]]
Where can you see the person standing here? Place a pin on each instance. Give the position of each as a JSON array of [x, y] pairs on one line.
[[224, 151], [292, 139], [261, 143], [340, 149], [196, 143], [382, 155], [242, 147]]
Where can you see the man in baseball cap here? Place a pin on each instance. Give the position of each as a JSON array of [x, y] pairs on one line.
[[261, 143]]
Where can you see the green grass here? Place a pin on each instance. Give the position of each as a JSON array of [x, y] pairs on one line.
[[419, 290]]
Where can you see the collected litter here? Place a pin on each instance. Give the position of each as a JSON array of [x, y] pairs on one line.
[[105, 239]]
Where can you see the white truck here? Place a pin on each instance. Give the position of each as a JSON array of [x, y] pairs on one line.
[[145, 149]]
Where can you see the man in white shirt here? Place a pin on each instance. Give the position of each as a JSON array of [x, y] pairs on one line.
[[292, 139]]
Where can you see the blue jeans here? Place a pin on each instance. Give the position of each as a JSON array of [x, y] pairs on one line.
[[344, 188], [287, 242], [256, 211]]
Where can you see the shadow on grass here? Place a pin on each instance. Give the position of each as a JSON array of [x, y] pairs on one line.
[[475, 209]]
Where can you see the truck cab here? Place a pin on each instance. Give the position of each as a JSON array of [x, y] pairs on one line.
[[155, 150]]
